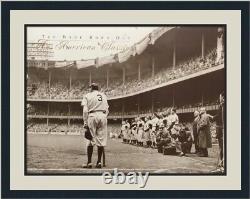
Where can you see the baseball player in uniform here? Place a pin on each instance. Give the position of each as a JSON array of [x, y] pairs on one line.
[[155, 121], [147, 132], [133, 132], [128, 132], [95, 112], [123, 132], [140, 132]]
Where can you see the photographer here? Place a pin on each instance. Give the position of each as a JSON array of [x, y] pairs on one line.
[[163, 138], [219, 119]]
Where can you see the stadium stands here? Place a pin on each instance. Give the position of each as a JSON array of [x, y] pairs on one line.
[[59, 90]]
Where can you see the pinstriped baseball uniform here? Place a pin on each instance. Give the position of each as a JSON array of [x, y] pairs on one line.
[[97, 105]]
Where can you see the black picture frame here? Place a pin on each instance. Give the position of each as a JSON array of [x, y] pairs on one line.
[[6, 7]]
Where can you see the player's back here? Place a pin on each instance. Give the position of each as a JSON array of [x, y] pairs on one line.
[[97, 101]]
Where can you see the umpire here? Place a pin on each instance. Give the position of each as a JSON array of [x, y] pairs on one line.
[[95, 112]]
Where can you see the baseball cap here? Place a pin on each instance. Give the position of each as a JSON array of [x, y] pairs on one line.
[[94, 86]]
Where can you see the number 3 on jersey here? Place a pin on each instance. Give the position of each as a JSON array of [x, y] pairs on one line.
[[99, 97]]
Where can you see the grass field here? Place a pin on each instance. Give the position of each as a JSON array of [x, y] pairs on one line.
[[64, 154]]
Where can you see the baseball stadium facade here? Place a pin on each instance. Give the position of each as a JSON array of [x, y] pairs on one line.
[[180, 67]]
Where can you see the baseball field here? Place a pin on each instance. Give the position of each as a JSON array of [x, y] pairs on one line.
[[65, 154]]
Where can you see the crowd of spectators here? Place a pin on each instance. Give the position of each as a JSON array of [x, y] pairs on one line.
[[113, 129], [166, 74], [54, 127], [58, 90], [78, 88], [65, 128], [38, 127], [38, 90], [36, 110], [77, 127], [63, 111]]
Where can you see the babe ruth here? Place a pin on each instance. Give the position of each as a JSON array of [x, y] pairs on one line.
[[95, 112]]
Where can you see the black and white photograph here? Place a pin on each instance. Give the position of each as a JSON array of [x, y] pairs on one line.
[[128, 98], [116, 99]]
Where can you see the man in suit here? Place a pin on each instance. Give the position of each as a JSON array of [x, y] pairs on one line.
[[195, 131], [204, 134]]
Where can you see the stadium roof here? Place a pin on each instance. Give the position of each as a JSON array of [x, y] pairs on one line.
[[136, 49]]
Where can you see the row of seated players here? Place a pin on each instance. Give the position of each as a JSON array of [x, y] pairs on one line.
[[59, 90], [162, 131]]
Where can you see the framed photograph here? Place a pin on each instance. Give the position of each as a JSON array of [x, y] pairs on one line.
[[125, 99]]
